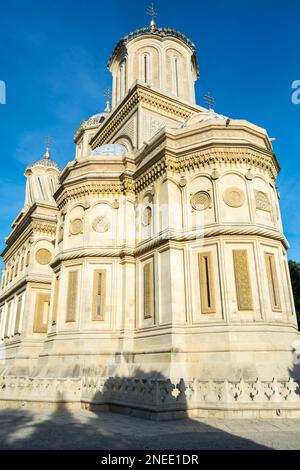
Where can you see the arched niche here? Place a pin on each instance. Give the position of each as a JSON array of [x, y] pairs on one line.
[[262, 200], [200, 201], [101, 224], [170, 206], [233, 198]]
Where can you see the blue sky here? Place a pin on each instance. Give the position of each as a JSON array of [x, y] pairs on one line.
[[53, 57]]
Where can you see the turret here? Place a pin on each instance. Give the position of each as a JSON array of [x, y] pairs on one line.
[[42, 180]]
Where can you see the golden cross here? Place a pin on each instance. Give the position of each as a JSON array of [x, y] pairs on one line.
[[209, 100], [152, 12]]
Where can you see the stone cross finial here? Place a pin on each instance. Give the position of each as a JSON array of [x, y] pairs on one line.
[[209, 100], [107, 94], [48, 145], [152, 12]]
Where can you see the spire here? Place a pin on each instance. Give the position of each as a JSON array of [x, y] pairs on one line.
[[151, 11]]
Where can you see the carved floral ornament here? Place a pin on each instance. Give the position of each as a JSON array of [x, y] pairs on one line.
[[43, 256], [76, 226], [201, 201], [101, 224], [234, 197]]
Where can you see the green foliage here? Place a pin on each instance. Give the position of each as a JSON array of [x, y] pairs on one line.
[[295, 278]]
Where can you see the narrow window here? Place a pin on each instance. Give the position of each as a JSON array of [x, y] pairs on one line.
[[99, 295], [176, 76], [17, 329], [41, 313], [148, 290], [146, 68], [55, 301], [272, 281], [72, 296], [11, 273], [207, 294], [242, 280], [41, 187], [27, 258], [6, 331], [117, 88], [22, 264], [123, 77]]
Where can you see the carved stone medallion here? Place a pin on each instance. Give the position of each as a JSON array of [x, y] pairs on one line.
[[234, 197], [147, 216], [262, 201], [201, 200], [101, 224], [76, 226], [43, 256]]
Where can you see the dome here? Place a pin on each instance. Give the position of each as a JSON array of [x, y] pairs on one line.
[[110, 149], [153, 30], [89, 123], [206, 116], [45, 162]]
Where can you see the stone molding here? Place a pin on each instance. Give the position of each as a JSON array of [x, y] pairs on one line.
[[209, 232], [22, 283], [44, 228], [87, 189], [167, 237]]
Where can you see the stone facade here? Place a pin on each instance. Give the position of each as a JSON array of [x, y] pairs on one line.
[[155, 273]]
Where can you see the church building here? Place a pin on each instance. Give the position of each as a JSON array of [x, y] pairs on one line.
[[150, 274]]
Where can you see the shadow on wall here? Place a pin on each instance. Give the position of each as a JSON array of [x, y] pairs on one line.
[[294, 372], [88, 430]]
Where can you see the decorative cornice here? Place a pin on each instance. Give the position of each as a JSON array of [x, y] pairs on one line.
[[21, 283], [44, 228], [204, 158], [163, 160], [87, 189], [91, 253], [24, 227]]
